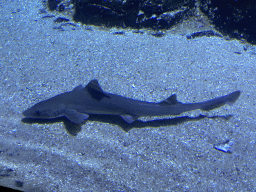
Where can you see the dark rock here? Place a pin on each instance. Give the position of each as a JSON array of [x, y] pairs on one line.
[[53, 4], [61, 19], [154, 14], [61, 8], [119, 33], [18, 183], [207, 33], [235, 18], [158, 34], [48, 16], [5, 172]]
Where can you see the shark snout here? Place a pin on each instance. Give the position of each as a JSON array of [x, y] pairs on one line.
[[25, 113]]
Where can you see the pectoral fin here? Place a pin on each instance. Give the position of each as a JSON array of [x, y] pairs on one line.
[[128, 118], [75, 117]]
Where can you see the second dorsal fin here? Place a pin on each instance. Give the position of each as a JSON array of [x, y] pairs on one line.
[[172, 100], [94, 89]]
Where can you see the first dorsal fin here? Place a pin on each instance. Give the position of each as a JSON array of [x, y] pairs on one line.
[[94, 89], [94, 84], [172, 100]]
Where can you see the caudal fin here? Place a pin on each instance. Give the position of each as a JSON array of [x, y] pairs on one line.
[[220, 101]]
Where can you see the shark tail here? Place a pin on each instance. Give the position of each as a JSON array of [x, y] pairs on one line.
[[220, 101]]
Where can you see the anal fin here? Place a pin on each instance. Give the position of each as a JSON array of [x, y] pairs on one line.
[[128, 118]]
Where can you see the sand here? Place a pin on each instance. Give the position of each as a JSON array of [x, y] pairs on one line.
[[156, 154]]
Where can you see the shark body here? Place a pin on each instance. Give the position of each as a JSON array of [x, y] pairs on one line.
[[78, 104]]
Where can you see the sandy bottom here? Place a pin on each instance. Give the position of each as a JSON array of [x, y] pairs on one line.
[[154, 154]]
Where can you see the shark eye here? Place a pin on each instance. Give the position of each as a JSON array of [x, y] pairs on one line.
[[37, 113]]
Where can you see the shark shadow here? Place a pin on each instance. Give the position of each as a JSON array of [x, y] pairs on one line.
[[73, 129]]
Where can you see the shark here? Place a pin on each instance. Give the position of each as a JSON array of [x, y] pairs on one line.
[[78, 104]]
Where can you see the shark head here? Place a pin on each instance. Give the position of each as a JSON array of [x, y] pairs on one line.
[[43, 110], [40, 111]]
